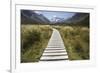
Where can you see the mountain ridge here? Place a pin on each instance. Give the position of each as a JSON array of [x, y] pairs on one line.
[[30, 17]]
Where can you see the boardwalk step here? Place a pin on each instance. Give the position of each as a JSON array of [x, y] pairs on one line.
[[54, 59], [55, 55], [55, 50], [54, 47]]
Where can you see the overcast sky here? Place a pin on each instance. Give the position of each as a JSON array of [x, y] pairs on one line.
[[51, 14]]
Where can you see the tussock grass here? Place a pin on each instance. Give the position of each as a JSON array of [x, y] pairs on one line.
[[34, 39], [76, 40]]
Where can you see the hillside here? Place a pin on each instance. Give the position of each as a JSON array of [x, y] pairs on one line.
[[30, 17], [79, 19]]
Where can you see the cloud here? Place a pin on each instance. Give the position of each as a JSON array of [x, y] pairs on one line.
[[38, 12], [54, 16]]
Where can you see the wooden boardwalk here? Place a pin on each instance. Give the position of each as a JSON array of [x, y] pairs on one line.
[[55, 50]]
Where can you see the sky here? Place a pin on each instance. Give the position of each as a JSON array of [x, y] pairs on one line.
[[51, 14]]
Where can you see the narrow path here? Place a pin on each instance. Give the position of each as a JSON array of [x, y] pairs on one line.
[[55, 50]]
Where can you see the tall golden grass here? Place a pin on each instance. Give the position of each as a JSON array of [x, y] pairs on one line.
[[34, 39], [76, 41]]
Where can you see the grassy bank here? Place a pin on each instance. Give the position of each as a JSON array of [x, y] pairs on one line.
[[76, 40], [34, 39]]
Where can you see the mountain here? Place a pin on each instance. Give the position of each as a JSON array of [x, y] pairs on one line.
[[78, 19], [57, 20], [30, 17], [85, 21]]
